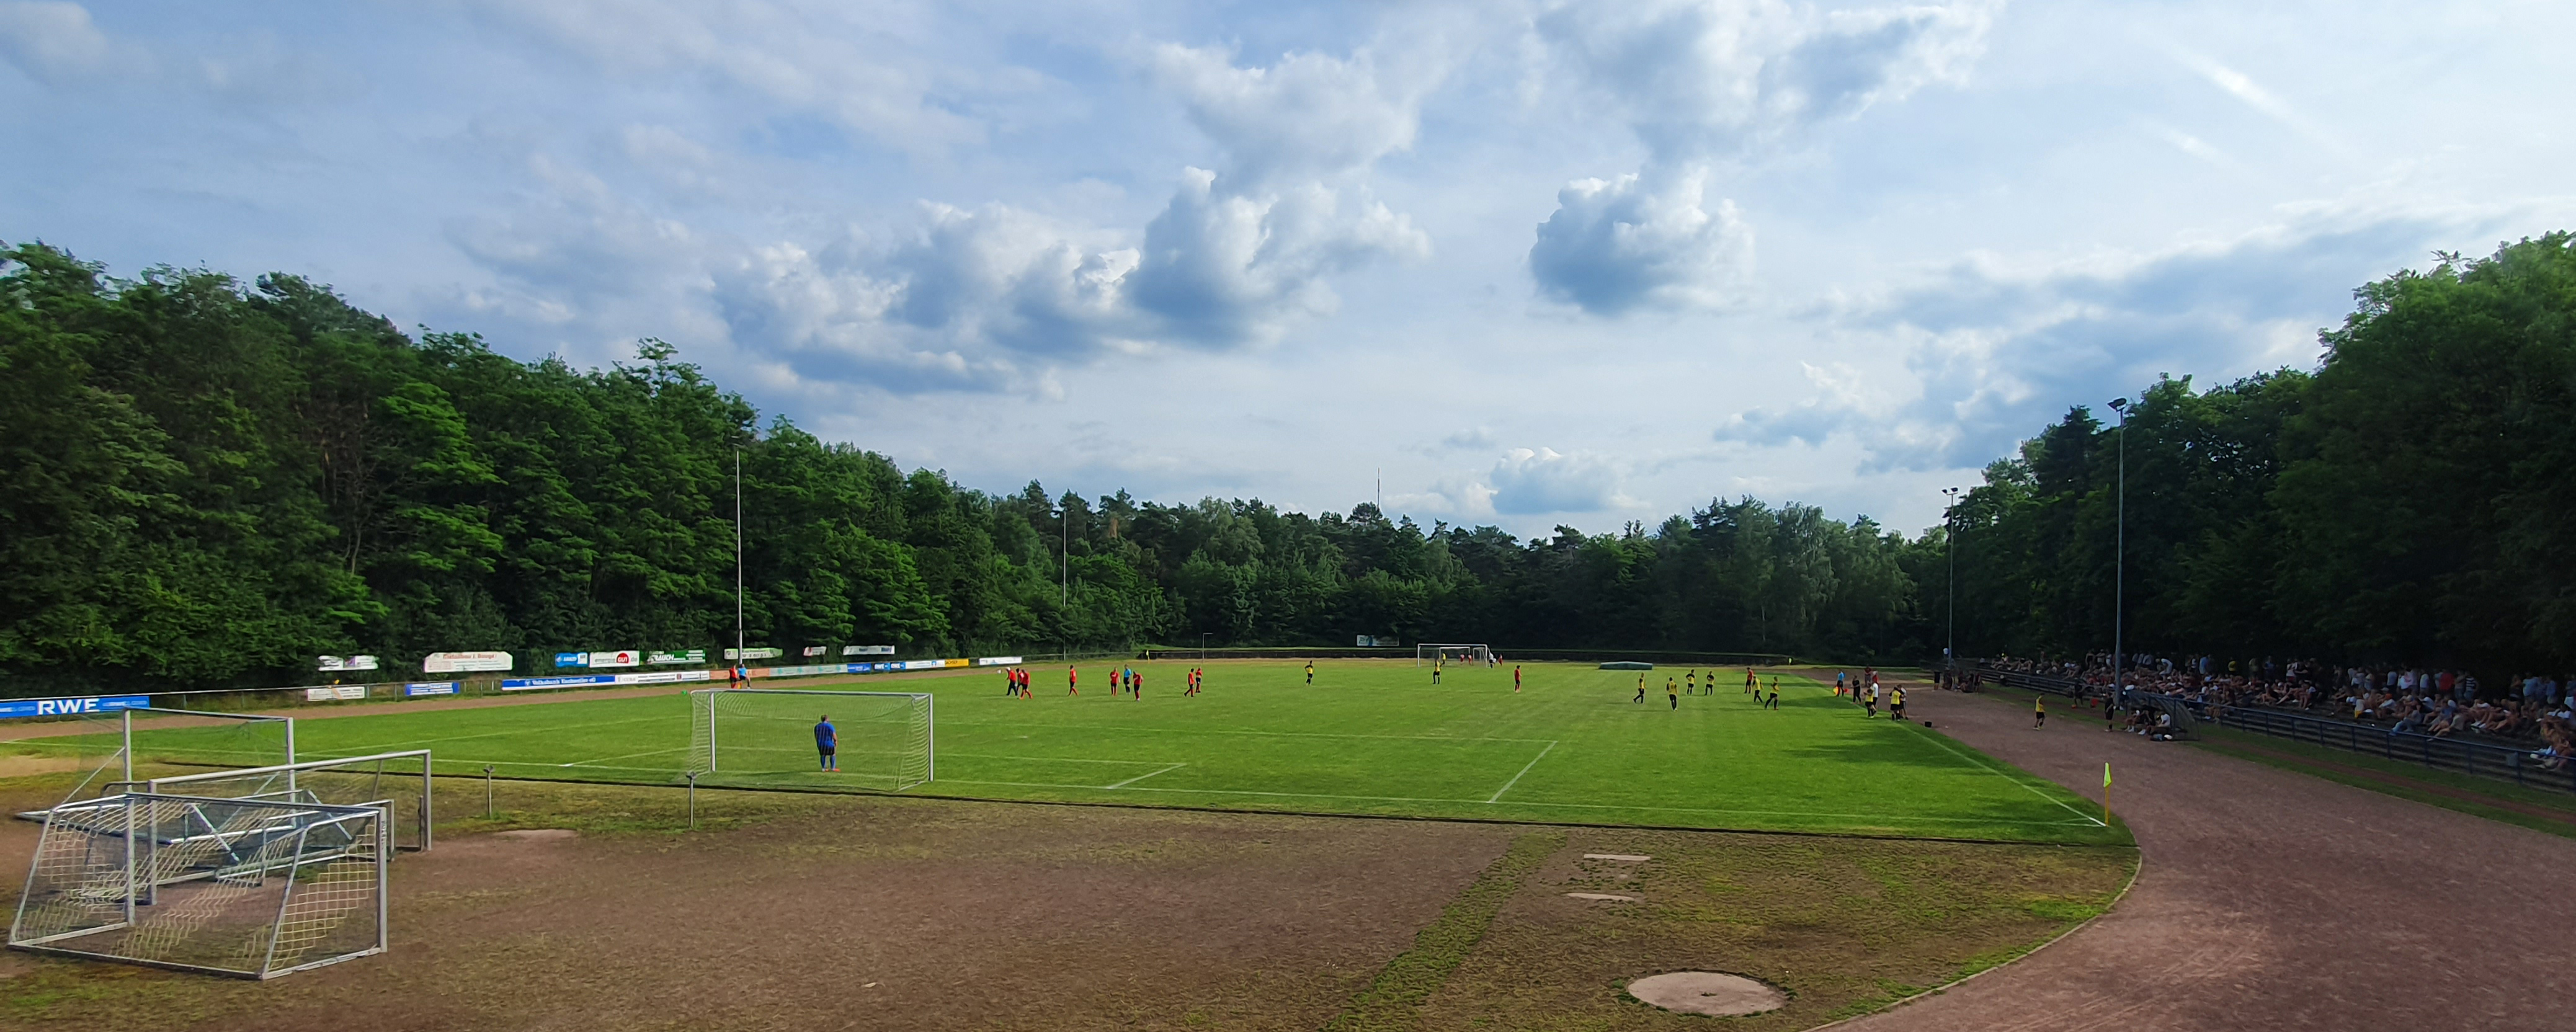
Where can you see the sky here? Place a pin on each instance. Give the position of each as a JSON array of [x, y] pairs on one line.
[[1511, 263]]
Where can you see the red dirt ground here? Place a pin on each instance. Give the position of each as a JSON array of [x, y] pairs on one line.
[[2272, 900]]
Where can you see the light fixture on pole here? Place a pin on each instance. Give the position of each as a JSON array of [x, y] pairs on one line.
[[1950, 537], [2120, 562]]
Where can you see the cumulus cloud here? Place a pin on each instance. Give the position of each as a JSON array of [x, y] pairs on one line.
[[995, 296], [1703, 82], [1533, 481], [1616, 246], [1998, 352]]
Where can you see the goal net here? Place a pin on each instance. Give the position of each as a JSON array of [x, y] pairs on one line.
[[756, 736], [125, 746], [397, 782], [247, 887], [1452, 654]]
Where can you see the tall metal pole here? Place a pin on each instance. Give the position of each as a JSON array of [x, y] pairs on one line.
[[1950, 536], [2120, 562], [737, 557]]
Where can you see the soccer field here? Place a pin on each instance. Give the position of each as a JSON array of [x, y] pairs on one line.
[[1369, 737]]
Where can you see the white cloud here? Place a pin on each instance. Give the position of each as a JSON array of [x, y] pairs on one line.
[[52, 42], [1616, 246], [1998, 352], [865, 68], [1310, 115], [1700, 82], [1533, 481]]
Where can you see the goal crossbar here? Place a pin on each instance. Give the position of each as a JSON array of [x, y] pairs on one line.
[[707, 736], [293, 783], [1431, 650]]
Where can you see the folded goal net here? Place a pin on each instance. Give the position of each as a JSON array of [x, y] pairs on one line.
[[767, 736], [249, 887]]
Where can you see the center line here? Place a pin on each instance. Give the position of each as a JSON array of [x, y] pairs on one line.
[[1141, 777], [1516, 778]]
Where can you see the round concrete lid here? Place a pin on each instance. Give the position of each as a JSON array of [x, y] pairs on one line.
[[1707, 992]]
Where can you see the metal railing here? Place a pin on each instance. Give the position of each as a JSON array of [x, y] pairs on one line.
[[2520, 764], [2485, 759]]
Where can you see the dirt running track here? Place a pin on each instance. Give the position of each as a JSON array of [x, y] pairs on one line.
[[2272, 900]]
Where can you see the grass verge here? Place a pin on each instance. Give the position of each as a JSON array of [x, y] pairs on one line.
[[1394, 997]]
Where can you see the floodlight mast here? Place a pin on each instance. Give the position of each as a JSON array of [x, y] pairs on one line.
[[2120, 561], [737, 558], [1950, 537]]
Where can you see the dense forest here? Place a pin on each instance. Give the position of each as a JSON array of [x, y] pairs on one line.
[[205, 483]]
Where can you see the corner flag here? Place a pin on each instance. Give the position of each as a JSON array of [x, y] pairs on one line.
[[2106, 775]]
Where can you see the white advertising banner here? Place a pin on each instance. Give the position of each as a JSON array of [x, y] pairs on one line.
[[999, 660], [680, 658], [867, 650], [760, 653], [335, 664], [619, 658], [352, 691], [465, 662]]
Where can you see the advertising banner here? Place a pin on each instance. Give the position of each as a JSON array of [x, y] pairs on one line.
[[343, 692], [761, 653], [619, 658], [465, 662], [417, 689], [572, 659], [867, 650], [922, 664], [812, 651], [67, 707], [664, 677], [530, 684], [999, 661], [334, 664], [677, 658]]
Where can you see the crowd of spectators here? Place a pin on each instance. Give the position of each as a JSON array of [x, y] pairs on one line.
[[2526, 711]]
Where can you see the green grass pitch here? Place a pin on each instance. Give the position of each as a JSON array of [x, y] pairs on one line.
[[1369, 737]]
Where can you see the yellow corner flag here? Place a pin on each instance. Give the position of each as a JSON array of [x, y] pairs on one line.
[[2106, 794], [2106, 775]]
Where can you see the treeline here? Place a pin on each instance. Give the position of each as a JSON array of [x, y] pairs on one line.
[[205, 483], [2412, 499]]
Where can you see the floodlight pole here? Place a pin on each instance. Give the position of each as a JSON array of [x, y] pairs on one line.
[[737, 557], [2120, 561], [1950, 537]]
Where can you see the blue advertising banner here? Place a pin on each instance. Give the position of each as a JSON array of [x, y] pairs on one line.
[[420, 688], [572, 659], [522, 684], [68, 707]]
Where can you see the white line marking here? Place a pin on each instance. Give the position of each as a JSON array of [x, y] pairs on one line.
[[1038, 759], [628, 756], [1141, 777], [1165, 731], [2027, 787], [1878, 818], [1516, 778]]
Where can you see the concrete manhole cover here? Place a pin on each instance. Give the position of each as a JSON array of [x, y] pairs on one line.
[[1707, 992]]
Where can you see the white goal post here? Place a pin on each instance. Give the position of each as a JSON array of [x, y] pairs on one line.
[[254, 888], [1450, 653], [765, 736]]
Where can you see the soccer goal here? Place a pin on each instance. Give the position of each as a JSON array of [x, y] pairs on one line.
[[766, 736], [113, 743], [1452, 654], [246, 887], [397, 782]]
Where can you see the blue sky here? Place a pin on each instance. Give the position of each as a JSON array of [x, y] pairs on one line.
[[1539, 263]]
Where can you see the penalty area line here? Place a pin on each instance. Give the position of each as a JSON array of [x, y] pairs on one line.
[[1141, 777], [1516, 778]]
